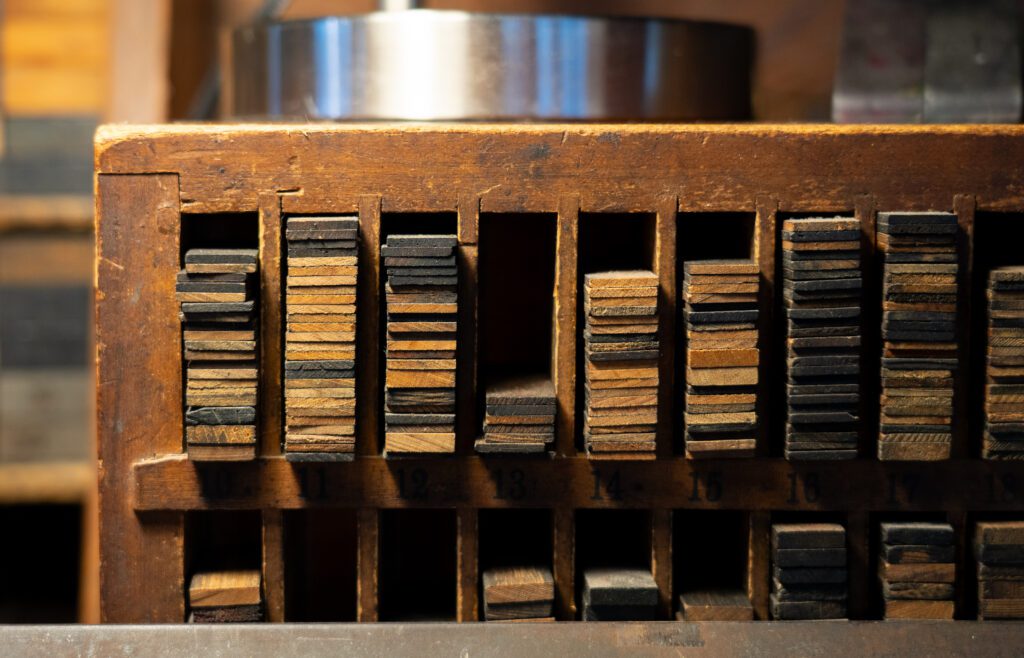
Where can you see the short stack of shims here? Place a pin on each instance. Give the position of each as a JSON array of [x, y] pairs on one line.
[[217, 597], [1004, 366], [919, 351], [999, 549], [619, 595], [917, 570], [421, 297], [320, 345], [621, 354], [821, 293], [809, 571], [519, 415], [217, 293], [720, 313], [518, 594]]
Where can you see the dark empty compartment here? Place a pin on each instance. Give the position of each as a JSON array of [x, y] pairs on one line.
[[227, 230], [714, 236], [607, 242], [222, 541], [39, 576], [611, 539], [417, 565], [516, 297], [320, 565], [997, 243], [709, 551]]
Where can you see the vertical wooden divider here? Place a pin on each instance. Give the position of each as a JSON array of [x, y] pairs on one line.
[[766, 213], [271, 399], [273, 564], [469, 295], [564, 562], [666, 210], [858, 558], [661, 558], [468, 529], [871, 321], [964, 206], [564, 350], [965, 584], [139, 405], [758, 562], [367, 564], [368, 387]]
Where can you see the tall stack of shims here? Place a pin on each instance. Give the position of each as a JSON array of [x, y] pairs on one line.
[[999, 548], [821, 290], [715, 605], [225, 596], [720, 300], [917, 570], [919, 334], [619, 595], [422, 311], [621, 352], [518, 594], [809, 571], [1004, 381], [519, 415], [320, 342], [217, 292]]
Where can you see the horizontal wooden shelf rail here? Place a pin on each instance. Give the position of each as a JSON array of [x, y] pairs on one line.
[[173, 483]]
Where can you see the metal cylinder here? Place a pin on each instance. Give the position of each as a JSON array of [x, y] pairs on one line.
[[450, 65]]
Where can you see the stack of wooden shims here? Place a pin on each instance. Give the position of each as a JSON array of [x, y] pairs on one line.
[[919, 312], [217, 292], [821, 293], [320, 345], [519, 415], [715, 605], [518, 593], [999, 548], [621, 352], [619, 595], [225, 596], [1004, 381], [720, 300], [917, 570], [809, 578], [422, 312]]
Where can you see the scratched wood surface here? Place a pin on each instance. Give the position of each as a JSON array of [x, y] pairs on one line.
[[149, 176]]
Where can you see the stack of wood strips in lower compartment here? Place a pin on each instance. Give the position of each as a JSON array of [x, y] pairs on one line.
[[821, 291], [225, 596], [217, 292], [720, 311], [919, 309], [619, 595], [320, 341], [421, 296], [621, 350], [519, 416], [999, 549], [809, 571], [917, 570], [518, 594], [715, 605], [1004, 380]]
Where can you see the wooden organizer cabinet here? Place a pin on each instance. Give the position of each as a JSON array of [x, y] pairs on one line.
[[671, 192]]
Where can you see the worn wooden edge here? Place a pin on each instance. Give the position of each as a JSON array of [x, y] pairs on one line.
[[33, 483], [171, 482]]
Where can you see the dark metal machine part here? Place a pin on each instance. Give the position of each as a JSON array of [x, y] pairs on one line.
[[929, 61], [451, 65]]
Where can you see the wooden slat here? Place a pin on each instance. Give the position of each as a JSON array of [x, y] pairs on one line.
[[964, 427], [368, 402], [367, 565], [661, 558], [467, 607], [273, 570], [871, 321], [758, 562], [665, 267], [771, 356], [563, 352], [138, 394], [271, 273], [564, 563], [861, 574]]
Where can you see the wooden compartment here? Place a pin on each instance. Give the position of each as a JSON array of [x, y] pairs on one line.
[[631, 207]]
